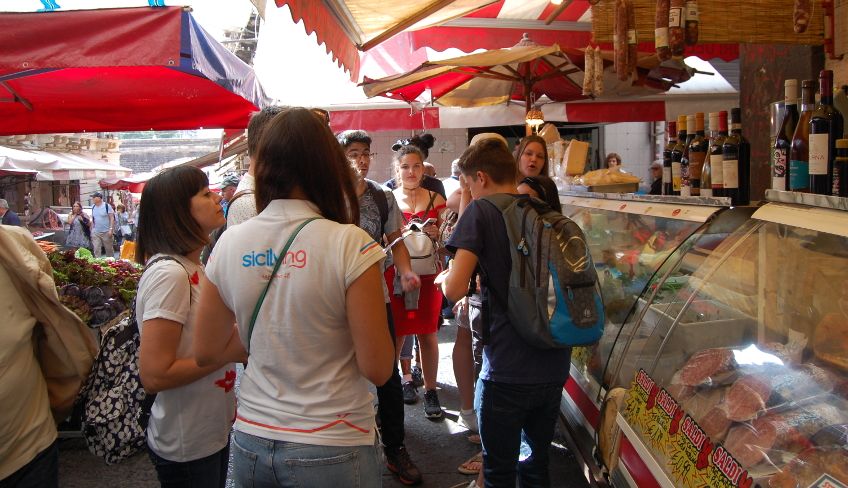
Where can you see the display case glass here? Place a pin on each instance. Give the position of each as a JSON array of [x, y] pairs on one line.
[[736, 355], [629, 237]]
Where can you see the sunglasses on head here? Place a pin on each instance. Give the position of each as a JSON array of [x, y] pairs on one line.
[[321, 114]]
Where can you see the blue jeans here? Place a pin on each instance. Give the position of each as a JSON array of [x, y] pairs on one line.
[[41, 472], [210, 471], [509, 414], [259, 462]]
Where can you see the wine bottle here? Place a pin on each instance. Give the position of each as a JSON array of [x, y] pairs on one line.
[[825, 129], [736, 161], [677, 154], [718, 126], [840, 168], [799, 155], [706, 183], [783, 141], [697, 153], [685, 173], [671, 132]]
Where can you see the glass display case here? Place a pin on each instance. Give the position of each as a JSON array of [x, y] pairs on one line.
[[629, 237], [735, 356]]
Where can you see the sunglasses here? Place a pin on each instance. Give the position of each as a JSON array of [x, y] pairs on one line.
[[321, 114]]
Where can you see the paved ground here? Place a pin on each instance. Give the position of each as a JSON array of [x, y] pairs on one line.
[[437, 447]]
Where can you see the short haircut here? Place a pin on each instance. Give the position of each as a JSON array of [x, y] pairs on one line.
[[613, 155], [298, 150], [120, 206], [348, 137], [491, 157], [165, 221], [257, 123], [527, 140], [547, 190], [4, 203], [400, 153]]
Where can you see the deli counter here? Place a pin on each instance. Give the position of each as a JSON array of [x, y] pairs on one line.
[[724, 360]]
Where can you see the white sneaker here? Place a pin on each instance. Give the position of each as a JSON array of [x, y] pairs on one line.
[[470, 421]]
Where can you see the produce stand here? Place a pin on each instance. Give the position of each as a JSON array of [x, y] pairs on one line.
[[732, 361]]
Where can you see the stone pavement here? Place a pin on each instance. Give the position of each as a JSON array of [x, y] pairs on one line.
[[436, 447]]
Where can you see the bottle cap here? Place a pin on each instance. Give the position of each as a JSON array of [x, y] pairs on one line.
[[681, 122], [842, 143]]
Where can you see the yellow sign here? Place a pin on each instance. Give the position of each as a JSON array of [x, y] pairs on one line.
[[678, 443]]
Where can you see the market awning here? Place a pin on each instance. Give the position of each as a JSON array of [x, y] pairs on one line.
[[55, 166], [124, 69], [347, 26], [134, 183]]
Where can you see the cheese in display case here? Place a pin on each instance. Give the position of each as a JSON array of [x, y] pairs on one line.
[[737, 376]]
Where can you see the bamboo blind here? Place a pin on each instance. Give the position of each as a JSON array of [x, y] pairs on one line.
[[723, 22]]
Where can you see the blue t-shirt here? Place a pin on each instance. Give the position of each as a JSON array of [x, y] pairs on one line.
[[100, 213], [506, 357]]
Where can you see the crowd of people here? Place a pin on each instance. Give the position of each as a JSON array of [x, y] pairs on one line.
[[321, 284]]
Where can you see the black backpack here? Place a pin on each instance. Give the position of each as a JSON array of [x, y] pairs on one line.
[[115, 408], [216, 234]]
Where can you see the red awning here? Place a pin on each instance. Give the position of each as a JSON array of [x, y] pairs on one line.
[[119, 70]]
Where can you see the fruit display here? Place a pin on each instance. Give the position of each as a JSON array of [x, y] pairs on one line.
[[97, 290]]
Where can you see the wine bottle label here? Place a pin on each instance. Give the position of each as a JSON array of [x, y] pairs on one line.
[[718, 170], [837, 175], [696, 164], [706, 192], [685, 191], [691, 11], [666, 174], [675, 176], [631, 36], [778, 168], [799, 174], [661, 37], [675, 17], [819, 153], [730, 170]]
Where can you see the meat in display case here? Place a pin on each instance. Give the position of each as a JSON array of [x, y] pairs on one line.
[[736, 374]]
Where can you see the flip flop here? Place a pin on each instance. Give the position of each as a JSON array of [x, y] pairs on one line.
[[473, 465], [475, 439]]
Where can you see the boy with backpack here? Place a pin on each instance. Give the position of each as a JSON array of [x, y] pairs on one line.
[[520, 386]]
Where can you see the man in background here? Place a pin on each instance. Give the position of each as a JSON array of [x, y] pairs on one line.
[[7, 216], [656, 178], [228, 189], [103, 216]]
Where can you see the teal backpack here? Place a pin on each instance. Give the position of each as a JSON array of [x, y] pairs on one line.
[[554, 300]]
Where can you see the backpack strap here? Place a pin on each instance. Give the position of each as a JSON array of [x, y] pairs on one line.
[[381, 201], [280, 260], [236, 196]]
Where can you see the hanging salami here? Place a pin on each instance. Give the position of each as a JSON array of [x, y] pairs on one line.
[[619, 40], [661, 30], [588, 71], [692, 18], [801, 15], [676, 35], [631, 39], [598, 87]]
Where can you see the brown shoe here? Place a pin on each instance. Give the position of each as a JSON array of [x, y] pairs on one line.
[[400, 464]]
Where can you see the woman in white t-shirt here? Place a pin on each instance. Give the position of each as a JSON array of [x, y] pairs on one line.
[[190, 422], [306, 415]]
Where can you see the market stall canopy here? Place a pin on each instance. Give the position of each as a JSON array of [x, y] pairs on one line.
[[347, 26], [523, 72], [115, 70], [52, 166], [134, 183]]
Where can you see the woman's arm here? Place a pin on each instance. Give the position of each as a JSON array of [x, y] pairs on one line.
[[159, 367], [215, 335], [366, 316]]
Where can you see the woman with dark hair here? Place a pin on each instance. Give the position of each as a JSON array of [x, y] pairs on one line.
[[302, 282], [421, 318], [532, 156], [188, 433], [79, 228]]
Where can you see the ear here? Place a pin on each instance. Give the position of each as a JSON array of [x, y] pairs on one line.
[[483, 178]]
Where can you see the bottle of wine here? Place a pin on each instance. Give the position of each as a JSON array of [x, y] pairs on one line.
[[718, 126], [671, 132], [736, 161], [706, 183], [783, 142], [677, 154], [697, 153], [799, 155], [685, 173], [825, 129], [840, 168]]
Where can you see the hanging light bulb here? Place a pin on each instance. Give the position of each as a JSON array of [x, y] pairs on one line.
[[556, 2], [534, 118]]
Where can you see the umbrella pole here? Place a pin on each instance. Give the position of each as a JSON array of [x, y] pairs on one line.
[[527, 106]]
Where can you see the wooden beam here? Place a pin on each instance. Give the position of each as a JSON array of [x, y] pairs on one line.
[[406, 23], [17, 96], [564, 5]]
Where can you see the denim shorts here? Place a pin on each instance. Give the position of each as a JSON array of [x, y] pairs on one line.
[[264, 462]]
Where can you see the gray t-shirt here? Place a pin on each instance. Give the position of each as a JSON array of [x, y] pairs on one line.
[[100, 213], [370, 220]]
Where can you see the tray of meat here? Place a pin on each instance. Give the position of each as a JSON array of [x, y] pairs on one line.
[[810, 466]]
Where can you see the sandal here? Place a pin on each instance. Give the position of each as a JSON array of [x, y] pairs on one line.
[[475, 439], [473, 465]]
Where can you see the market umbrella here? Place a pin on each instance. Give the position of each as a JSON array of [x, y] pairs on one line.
[[523, 72], [119, 70]]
